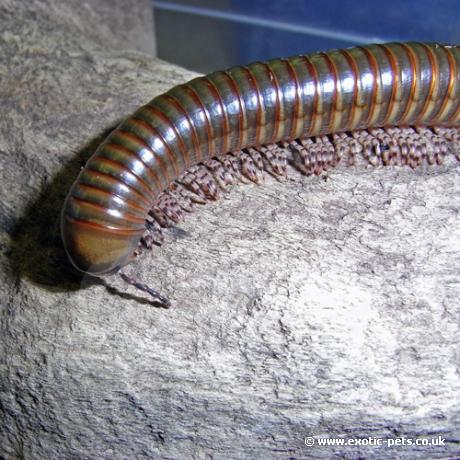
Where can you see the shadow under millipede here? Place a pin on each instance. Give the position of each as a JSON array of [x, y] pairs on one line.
[[36, 251]]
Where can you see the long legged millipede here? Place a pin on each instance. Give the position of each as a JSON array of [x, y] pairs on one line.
[[318, 108]]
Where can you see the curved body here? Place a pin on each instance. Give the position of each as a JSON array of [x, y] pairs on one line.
[[284, 99]]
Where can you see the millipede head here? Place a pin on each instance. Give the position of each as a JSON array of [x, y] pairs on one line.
[[96, 250]]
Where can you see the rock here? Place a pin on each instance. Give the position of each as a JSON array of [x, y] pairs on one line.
[[324, 307]]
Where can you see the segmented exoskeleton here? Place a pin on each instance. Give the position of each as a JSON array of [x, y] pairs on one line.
[[283, 100]]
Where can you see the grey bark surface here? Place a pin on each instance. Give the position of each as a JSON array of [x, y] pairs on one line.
[[322, 307]]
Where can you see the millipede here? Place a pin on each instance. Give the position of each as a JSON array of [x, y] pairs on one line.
[[380, 104]]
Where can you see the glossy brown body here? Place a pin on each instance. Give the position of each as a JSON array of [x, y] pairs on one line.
[[284, 99]]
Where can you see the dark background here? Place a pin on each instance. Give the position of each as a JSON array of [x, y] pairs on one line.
[[206, 35]]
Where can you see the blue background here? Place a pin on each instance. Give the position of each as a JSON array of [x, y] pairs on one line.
[[206, 35]]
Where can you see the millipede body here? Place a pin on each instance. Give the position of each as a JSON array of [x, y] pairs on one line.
[[249, 109]]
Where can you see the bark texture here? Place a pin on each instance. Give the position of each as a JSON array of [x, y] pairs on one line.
[[324, 307]]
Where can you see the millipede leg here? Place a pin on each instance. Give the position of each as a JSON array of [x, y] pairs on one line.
[[161, 300]]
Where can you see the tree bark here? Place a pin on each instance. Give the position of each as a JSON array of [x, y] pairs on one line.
[[324, 307]]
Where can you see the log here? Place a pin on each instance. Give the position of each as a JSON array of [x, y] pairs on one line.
[[312, 307]]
